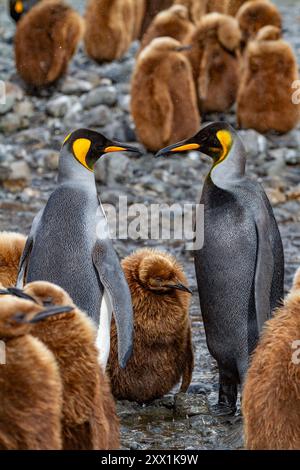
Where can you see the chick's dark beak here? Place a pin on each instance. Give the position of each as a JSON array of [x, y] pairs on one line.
[[17, 293], [49, 312], [181, 287], [184, 48], [115, 146]]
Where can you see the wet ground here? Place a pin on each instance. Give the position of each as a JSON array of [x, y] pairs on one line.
[[31, 131]]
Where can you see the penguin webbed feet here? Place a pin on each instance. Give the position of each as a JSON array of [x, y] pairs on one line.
[[226, 405]]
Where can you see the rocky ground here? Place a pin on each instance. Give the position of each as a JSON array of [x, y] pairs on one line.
[[31, 131]]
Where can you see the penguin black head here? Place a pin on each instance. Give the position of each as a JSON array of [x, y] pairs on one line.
[[88, 146], [19, 7], [214, 140]]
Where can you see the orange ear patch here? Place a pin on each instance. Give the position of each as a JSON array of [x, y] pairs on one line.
[[80, 150], [19, 7], [225, 139]]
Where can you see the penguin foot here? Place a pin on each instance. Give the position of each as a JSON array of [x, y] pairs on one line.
[[223, 409]]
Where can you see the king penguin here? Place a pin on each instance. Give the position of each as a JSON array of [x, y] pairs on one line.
[[240, 268], [69, 243]]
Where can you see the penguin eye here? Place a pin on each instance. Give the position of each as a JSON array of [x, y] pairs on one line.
[[80, 150]]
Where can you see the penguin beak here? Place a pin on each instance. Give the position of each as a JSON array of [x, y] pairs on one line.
[[184, 48], [50, 312], [183, 146], [17, 293], [181, 287], [203, 141], [114, 146]]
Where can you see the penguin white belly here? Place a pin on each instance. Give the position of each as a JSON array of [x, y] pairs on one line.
[[103, 336]]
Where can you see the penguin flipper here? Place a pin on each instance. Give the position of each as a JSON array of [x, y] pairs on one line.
[[24, 262], [27, 251], [264, 271], [113, 279]]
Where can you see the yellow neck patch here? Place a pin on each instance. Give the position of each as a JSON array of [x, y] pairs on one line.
[[19, 7], [225, 139], [80, 150]]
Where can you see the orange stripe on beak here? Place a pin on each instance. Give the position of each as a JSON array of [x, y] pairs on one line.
[[114, 149], [184, 148]]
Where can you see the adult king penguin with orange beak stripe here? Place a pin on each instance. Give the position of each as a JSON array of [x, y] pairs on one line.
[[240, 269], [69, 243]]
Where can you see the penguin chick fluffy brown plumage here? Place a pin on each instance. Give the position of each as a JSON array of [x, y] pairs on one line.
[[215, 61], [264, 100], [271, 398], [199, 8], [233, 6], [162, 111], [173, 22], [11, 247], [254, 15], [195, 8], [110, 27], [162, 350], [45, 41], [152, 8], [89, 419], [30, 384]]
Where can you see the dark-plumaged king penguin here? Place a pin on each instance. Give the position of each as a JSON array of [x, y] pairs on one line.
[[240, 268], [69, 242], [17, 8]]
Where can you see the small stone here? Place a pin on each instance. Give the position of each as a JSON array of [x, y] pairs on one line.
[[98, 116], [59, 107], [74, 86], [254, 142], [118, 168], [124, 102], [118, 72], [9, 94], [20, 171], [292, 157], [102, 95], [24, 108], [11, 122], [275, 196], [47, 159], [73, 116], [18, 178]]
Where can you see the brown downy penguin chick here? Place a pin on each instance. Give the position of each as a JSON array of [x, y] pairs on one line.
[[173, 23], [162, 111], [162, 350], [264, 100], [45, 41], [89, 419], [30, 383], [152, 8], [271, 399], [254, 15], [11, 248], [110, 26], [215, 61]]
